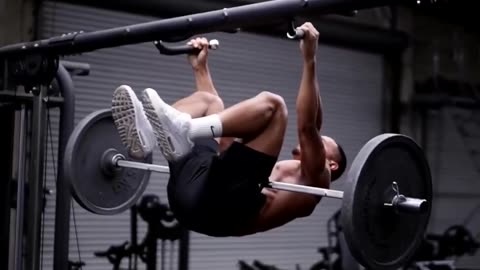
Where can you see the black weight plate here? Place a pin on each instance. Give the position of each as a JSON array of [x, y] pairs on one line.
[[94, 188], [378, 236]]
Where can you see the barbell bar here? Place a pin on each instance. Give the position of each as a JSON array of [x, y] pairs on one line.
[[386, 202], [399, 202]]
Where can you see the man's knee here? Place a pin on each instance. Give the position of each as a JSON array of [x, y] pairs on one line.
[[274, 103], [211, 99]]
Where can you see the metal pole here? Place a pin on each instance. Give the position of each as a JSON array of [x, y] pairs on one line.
[[7, 174], [151, 243], [183, 250], [63, 198], [307, 189], [133, 238], [181, 28], [143, 166], [18, 263], [35, 200], [276, 185]]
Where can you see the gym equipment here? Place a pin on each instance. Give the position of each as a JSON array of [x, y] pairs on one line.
[[180, 28], [161, 225], [456, 241], [183, 49], [383, 227], [380, 234], [97, 186]]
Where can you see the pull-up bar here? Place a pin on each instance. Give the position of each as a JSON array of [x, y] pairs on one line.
[[186, 26]]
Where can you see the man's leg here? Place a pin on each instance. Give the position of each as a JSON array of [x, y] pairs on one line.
[[259, 121], [199, 104]]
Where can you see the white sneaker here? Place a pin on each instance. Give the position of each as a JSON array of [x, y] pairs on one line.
[[135, 130], [170, 126]]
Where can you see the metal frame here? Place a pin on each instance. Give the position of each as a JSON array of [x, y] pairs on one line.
[[36, 166], [21, 125], [64, 197], [7, 176], [180, 28], [38, 102]]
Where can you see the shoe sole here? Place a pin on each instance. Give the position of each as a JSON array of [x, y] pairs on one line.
[[152, 112], [126, 117]]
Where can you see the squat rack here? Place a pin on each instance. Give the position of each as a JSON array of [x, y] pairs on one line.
[[34, 65]]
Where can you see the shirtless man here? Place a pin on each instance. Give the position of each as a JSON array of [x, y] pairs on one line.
[[218, 185]]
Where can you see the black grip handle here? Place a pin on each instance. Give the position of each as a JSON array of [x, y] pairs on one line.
[[183, 49]]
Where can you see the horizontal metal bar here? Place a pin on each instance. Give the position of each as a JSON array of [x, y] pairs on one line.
[[307, 189], [21, 96], [333, 31], [143, 166], [276, 185], [181, 28], [76, 68]]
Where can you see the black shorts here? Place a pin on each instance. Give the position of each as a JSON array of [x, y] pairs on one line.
[[218, 195]]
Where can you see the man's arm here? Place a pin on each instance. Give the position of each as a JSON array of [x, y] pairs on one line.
[[203, 79], [201, 72], [309, 113], [282, 206]]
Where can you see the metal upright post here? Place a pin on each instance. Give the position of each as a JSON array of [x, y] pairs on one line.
[[35, 179], [184, 245], [6, 158], [63, 196], [133, 238], [19, 216]]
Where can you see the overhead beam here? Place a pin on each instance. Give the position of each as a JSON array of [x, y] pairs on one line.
[[336, 32], [180, 28]]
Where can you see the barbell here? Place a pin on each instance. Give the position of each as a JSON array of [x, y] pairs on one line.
[[386, 204]]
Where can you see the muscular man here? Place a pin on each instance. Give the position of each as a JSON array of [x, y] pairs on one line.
[[217, 185]]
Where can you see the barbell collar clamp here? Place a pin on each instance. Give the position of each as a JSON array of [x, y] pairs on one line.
[[405, 204], [402, 203], [109, 160]]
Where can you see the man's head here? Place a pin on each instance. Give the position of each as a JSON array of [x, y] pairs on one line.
[[336, 158]]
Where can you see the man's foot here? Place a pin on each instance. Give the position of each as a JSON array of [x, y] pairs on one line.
[[132, 124], [170, 126]]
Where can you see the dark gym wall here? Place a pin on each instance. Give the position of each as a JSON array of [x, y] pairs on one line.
[[451, 132], [245, 64]]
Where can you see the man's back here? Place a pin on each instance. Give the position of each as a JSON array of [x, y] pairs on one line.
[[282, 207]]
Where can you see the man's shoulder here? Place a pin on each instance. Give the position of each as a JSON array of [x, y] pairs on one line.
[[288, 163]]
